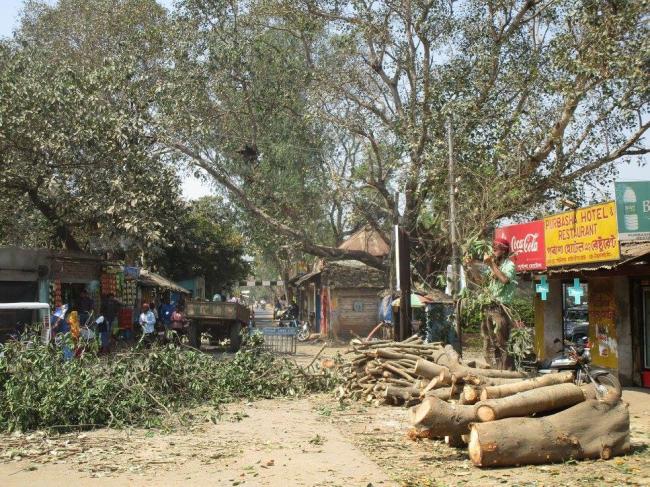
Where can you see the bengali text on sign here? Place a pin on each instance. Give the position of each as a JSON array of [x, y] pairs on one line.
[[585, 235]]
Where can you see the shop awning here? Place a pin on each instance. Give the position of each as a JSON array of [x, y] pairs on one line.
[[631, 252], [151, 279]]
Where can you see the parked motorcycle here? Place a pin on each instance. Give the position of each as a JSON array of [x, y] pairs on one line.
[[289, 318], [577, 358]]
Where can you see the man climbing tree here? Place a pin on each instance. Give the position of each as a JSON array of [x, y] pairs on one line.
[[500, 281]]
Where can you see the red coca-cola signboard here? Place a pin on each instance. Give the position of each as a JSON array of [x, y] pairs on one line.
[[526, 244]]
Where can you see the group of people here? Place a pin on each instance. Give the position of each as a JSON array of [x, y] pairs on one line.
[[168, 315], [79, 320]]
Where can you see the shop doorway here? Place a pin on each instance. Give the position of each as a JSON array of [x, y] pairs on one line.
[[646, 327], [575, 313]]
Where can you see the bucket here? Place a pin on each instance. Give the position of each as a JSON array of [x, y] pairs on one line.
[[645, 378]]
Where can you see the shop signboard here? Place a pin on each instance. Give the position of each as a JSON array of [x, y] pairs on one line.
[[581, 236], [633, 210], [526, 244]]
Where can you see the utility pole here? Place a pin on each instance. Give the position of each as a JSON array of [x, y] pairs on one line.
[[452, 231], [402, 328], [405, 285]]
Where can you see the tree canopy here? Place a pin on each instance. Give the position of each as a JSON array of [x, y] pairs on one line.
[[317, 117]]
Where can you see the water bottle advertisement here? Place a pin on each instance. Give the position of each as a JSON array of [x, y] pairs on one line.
[[633, 208]]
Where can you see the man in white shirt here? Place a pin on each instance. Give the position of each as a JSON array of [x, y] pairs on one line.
[[147, 322]]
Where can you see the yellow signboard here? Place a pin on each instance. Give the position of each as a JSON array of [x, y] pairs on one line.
[[584, 235]]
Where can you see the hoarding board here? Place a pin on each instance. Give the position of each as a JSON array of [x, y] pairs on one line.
[[581, 236], [633, 210], [602, 323], [526, 244]]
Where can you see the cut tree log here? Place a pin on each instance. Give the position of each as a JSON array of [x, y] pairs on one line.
[[445, 394], [470, 394], [495, 392], [443, 418], [489, 381], [430, 370], [459, 372], [546, 398], [455, 441], [591, 429], [403, 393]]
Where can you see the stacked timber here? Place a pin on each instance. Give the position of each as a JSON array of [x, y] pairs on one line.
[[409, 371], [384, 371], [524, 421]]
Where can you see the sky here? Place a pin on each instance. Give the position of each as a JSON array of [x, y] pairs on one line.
[[194, 188]]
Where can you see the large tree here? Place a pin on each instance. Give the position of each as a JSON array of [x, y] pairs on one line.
[[77, 157]]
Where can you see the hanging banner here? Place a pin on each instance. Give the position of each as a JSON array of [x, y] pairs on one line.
[[602, 323], [580, 236], [526, 244], [633, 210]]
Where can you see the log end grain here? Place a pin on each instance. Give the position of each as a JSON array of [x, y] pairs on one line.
[[474, 448], [485, 413]]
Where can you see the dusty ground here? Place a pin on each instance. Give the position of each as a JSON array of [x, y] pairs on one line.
[[310, 441]]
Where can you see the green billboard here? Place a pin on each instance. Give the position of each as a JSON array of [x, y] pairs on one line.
[[633, 210]]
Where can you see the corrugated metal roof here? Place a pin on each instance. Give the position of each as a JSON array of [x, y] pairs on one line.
[[152, 279], [630, 251]]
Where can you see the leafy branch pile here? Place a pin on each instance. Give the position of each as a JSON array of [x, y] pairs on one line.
[[39, 390]]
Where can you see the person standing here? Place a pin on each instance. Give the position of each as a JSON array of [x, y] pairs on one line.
[[178, 323], [85, 306], [500, 274], [109, 310], [148, 324], [60, 326]]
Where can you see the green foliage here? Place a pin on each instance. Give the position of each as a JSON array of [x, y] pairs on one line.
[[520, 344], [75, 130], [474, 301], [206, 243], [40, 390]]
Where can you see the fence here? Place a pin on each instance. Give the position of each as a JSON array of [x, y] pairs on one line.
[[280, 339]]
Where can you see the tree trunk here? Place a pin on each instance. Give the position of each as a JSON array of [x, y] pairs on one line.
[[443, 418], [546, 398], [591, 429], [495, 392]]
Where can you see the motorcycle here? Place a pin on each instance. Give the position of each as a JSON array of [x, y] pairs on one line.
[[289, 318], [577, 358]]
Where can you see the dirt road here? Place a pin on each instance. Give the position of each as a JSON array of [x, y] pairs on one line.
[[311, 441], [266, 443]]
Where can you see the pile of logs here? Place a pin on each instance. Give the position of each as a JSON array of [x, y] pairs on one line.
[[504, 417], [384, 371], [520, 421]]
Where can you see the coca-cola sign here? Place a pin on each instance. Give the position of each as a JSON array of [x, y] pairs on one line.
[[526, 244]]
